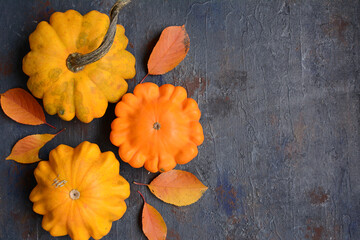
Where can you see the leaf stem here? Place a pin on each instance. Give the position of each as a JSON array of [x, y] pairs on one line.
[[50, 125], [144, 78], [141, 184], [142, 196], [61, 131]]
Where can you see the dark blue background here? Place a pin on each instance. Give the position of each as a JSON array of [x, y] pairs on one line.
[[278, 86]]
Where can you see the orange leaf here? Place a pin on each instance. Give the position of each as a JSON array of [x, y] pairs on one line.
[[26, 150], [177, 187], [169, 51], [22, 107], [153, 224]]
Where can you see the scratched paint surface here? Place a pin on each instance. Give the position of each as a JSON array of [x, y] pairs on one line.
[[278, 86]]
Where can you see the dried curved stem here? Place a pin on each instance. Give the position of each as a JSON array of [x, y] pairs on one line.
[[76, 61]]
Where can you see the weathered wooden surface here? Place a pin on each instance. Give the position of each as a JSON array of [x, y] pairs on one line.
[[278, 86]]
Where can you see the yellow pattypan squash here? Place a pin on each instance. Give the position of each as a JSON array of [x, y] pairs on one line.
[[79, 191], [86, 91]]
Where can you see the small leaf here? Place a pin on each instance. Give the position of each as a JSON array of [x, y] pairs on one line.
[[153, 225], [169, 51], [177, 187], [22, 107], [26, 150]]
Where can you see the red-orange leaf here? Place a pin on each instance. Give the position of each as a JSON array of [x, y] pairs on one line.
[[22, 107], [169, 51], [153, 224], [177, 187], [26, 150]]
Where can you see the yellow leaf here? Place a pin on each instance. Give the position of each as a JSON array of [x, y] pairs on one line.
[[21, 106], [169, 51], [26, 150], [177, 187], [153, 225]]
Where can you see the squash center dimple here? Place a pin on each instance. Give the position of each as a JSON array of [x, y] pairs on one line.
[[74, 194], [156, 126]]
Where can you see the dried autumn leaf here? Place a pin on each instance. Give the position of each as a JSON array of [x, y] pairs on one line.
[[177, 187], [22, 107], [26, 150], [153, 225], [169, 51]]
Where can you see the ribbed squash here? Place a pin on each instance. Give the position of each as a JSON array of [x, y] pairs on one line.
[[79, 191], [85, 93], [157, 127]]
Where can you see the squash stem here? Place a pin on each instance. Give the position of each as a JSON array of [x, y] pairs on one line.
[[156, 126], [74, 194], [76, 61]]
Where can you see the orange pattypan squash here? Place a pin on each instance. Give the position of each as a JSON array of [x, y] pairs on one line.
[[79, 191], [84, 92], [157, 127]]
